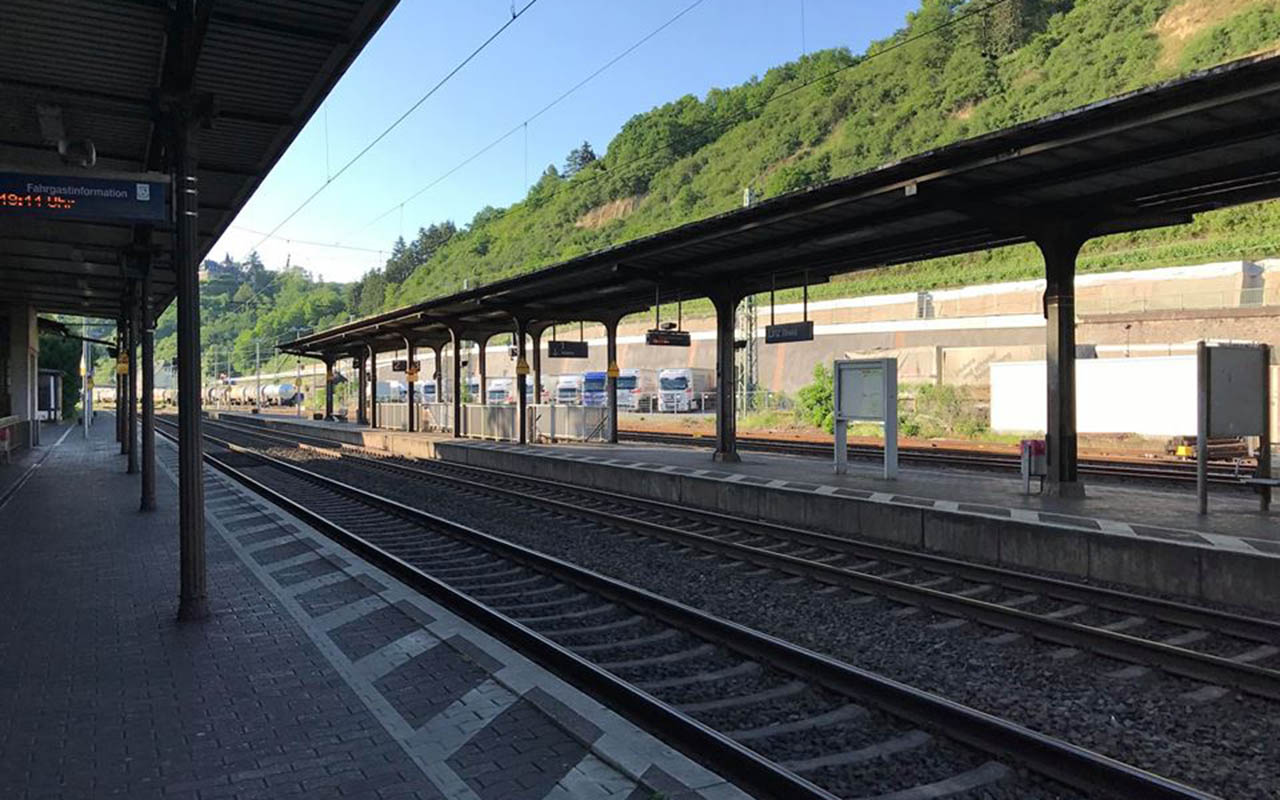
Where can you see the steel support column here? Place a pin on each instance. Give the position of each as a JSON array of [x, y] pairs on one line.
[[611, 379], [373, 386], [412, 354], [522, 381], [535, 336], [483, 366], [131, 433], [193, 600], [1060, 251], [361, 392], [455, 336], [437, 370], [147, 501], [726, 380], [121, 346], [328, 389]]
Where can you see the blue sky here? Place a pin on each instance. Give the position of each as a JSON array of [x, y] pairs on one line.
[[549, 49]]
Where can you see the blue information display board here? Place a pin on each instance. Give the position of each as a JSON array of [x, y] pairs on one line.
[[76, 197]]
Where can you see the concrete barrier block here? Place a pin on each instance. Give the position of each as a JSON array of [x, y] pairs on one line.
[[783, 506], [611, 479], [891, 523], [700, 492], [830, 514], [654, 485], [452, 452], [1146, 563], [1242, 579], [1041, 547], [962, 535], [566, 471], [739, 499], [545, 468]]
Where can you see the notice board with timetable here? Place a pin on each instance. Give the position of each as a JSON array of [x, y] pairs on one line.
[[866, 390]]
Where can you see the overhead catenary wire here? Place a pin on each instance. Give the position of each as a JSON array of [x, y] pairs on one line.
[[582, 181], [515, 15], [523, 125], [743, 113], [734, 119]]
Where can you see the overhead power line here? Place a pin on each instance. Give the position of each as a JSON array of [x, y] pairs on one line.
[[732, 120], [523, 125], [516, 14], [749, 110], [334, 245]]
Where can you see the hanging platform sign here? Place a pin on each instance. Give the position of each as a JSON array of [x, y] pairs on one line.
[[566, 349], [663, 338], [402, 365], [789, 332], [140, 198]]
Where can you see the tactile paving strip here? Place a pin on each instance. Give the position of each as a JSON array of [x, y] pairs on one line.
[[480, 720]]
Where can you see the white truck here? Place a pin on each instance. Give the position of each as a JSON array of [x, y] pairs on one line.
[[686, 389], [569, 390], [638, 390], [501, 391]]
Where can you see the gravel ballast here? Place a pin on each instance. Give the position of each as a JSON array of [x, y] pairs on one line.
[[1227, 746]]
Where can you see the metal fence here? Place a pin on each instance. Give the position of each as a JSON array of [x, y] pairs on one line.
[[556, 423]]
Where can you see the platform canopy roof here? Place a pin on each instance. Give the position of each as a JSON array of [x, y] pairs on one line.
[[1150, 158], [99, 70]]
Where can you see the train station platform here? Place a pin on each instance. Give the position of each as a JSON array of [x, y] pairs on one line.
[[419, 444], [316, 674], [1143, 537], [20, 465]]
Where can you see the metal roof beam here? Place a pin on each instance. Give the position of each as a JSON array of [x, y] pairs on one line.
[[325, 36], [118, 105]]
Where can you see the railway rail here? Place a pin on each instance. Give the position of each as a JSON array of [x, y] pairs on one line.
[[775, 718], [1220, 473], [1204, 644]]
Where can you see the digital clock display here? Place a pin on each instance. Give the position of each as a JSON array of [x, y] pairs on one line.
[[29, 200], [141, 199]]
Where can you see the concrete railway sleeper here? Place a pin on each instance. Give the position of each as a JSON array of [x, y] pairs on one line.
[[777, 719], [957, 589]]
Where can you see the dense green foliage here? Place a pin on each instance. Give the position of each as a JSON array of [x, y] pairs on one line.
[[828, 115], [924, 410], [815, 403]]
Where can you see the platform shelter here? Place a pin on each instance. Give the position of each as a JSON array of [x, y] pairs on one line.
[[134, 133], [1152, 158]]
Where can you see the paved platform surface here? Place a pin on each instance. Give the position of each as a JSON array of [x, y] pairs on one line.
[[317, 675], [1234, 521], [23, 463]]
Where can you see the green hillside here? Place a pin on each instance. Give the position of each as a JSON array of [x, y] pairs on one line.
[[828, 115]]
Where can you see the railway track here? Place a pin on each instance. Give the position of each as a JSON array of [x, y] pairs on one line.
[[1213, 647], [1221, 473], [773, 717]]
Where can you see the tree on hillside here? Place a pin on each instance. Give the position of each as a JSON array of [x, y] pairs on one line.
[[431, 239], [400, 263], [578, 158]]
